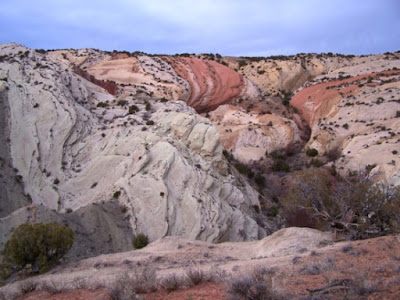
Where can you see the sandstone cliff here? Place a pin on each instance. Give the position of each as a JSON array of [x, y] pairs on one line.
[[118, 138], [73, 144]]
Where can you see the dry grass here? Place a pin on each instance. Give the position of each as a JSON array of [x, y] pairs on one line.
[[123, 289], [258, 286], [317, 267]]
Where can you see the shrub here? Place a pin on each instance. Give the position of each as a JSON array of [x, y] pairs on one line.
[[196, 276], [259, 179], [122, 102], [242, 63], [123, 289], [133, 109], [27, 286], [102, 104], [312, 152], [173, 282], [353, 205], [40, 245], [280, 166], [140, 241], [277, 155], [316, 163], [333, 154], [257, 285], [244, 170], [301, 218]]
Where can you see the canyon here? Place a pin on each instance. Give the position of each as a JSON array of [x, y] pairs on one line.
[[113, 144]]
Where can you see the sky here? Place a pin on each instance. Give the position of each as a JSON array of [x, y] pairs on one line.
[[227, 27]]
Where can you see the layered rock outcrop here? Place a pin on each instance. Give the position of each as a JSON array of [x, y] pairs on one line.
[[86, 128], [211, 84], [202, 84], [250, 136], [288, 73], [357, 117], [74, 145]]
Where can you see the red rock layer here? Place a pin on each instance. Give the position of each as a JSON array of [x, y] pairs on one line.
[[110, 86], [211, 84], [316, 101]]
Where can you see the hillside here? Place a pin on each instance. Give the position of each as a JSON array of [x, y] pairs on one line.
[[202, 147]]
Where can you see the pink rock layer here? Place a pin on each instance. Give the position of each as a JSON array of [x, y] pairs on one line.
[[316, 101], [211, 84], [110, 86]]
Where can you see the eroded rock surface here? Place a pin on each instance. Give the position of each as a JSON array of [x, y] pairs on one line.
[[74, 145], [250, 136], [211, 84], [358, 118]]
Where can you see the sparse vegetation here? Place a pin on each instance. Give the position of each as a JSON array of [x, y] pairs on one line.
[[38, 245], [102, 104], [312, 152], [353, 205], [122, 102], [140, 241], [258, 285], [133, 109], [243, 169], [123, 289], [316, 163], [280, 165]]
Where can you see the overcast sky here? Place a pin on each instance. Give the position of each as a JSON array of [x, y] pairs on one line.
[[228, 27]]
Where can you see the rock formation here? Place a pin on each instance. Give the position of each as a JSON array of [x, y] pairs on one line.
[[357, 117], [117, 137], [250, 136], [73, 145]]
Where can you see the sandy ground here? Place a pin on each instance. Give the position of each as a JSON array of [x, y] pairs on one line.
[[300, 267]]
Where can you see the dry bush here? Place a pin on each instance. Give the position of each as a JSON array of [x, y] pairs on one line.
[[173, 282], [27, 286], [353, 205], [197, 276], [80, 283], [52, 287], [301, 218], [317, 267], [146, 281], [123, 289], [257, 286], [362, 285], [218, 274], [359, 287], [334, 154]]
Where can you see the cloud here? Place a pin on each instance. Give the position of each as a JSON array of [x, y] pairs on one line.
[[232, 27]]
